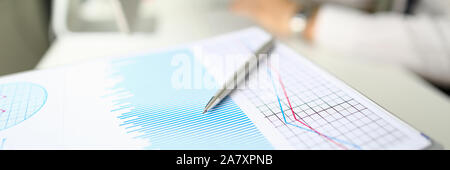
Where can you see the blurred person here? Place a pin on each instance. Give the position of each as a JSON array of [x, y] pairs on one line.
[[411, 33]]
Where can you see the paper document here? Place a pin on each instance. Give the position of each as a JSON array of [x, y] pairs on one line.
[[154, 100], [306, 107]]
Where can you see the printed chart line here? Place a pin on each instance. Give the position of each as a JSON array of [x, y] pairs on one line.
[[310, 129], [2, 110], [295, 117], [2, 144]]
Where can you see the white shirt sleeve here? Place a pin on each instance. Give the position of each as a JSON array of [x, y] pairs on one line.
[[420, 43]]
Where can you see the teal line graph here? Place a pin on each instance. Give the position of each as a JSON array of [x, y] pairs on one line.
[[306, 128], [2, 143], [172, 118], [19, 101]]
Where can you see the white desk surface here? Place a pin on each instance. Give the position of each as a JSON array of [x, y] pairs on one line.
[[397, 90]]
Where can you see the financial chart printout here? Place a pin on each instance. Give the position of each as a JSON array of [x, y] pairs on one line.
[[154, 100], [131, 102], [309, 108], [19, 101]]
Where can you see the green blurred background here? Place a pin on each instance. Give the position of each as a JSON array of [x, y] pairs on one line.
[[24, 34]]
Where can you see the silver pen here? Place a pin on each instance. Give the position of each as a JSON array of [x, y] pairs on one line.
[[239, 75]]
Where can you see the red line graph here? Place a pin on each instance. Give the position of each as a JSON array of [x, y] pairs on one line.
[[1, 110], [295, 117]]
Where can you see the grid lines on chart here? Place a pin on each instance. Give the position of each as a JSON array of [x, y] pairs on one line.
[[324, 107], [19, 101]]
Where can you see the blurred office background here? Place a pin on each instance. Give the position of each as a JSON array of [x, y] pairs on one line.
[[24, 32], [29, 28]]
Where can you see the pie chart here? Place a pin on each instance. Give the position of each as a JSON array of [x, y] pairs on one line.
[[19, 102]]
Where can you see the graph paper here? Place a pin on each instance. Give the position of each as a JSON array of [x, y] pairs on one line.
[[19, 101], [309, 108]]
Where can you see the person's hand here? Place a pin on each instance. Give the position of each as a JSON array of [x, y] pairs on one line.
[[274, 15]]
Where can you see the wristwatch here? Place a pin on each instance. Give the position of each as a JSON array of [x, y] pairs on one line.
[[299, 21]]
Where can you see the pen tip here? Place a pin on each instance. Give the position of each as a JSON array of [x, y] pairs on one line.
[[204, 111]]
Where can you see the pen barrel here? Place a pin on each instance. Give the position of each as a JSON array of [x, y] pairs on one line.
[[244, 70], [241, 73]]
